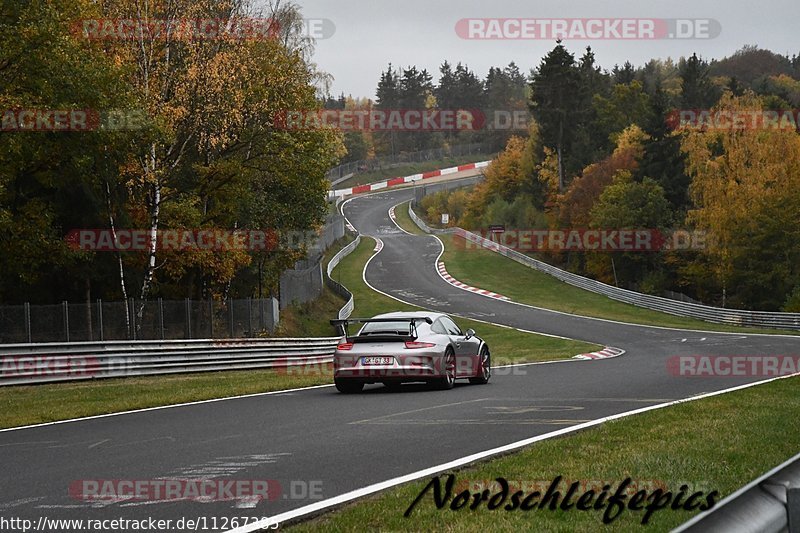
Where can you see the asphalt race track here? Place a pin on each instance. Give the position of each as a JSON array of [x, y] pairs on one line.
[[319, 440]]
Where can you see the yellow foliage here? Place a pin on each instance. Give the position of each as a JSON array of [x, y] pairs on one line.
[[738, 174]]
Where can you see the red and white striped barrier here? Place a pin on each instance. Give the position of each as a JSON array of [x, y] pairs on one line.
[[606, 353], [454, 282], [369, 187]]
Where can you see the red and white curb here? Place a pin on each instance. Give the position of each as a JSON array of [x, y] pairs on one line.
[[454, 282], [378, 246], [369, 187], [606, 353]]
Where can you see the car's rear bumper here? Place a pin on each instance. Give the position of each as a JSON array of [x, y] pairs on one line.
[[404, 368]]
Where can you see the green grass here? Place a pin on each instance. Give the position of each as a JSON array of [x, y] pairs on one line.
[[732, 439], [32, 404], [523, 284], [404, 221], [409, 169], [310, 319], [507, 344]]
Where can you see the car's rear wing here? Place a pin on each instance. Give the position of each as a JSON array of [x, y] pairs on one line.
[[342, 326]]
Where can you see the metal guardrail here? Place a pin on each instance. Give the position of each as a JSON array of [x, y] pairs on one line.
[[28, 364], [769, 504], [736, 317], [37, 363], [337, 287]]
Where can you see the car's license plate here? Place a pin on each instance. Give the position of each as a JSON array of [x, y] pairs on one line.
[[377, 360]]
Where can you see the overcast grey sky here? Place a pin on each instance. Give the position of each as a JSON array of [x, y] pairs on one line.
[[370, 34]]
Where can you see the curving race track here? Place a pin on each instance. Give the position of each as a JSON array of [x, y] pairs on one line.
[[343, 443]]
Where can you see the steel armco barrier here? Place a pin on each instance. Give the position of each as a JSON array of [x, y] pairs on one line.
[[28, 364], [337, 287], [769, 504], [736, 317]]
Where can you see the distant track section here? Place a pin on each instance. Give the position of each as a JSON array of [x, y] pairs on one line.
[[393, 182]]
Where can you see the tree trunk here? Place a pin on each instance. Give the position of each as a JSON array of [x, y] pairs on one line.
[[119, 258], [155, 209]]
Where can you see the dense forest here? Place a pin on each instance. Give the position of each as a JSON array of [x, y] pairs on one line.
[[607, 150], [183, 136]]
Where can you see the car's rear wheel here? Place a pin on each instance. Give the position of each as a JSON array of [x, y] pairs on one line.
[[448, 380], [348, 386], [485, 362]]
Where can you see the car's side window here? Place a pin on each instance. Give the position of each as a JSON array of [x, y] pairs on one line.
[[438, 327], [451, 326]]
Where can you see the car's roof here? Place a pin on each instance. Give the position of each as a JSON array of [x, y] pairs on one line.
[[410, 314]]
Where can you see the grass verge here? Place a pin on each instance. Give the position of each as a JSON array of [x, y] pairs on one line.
[[732, 439], [523, 284], [34, 404], [404, 221], [478, 267]]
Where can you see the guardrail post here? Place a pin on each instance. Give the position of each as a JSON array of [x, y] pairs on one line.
[[161, 317], [188, 319], [793, 509], [65, 313], [27, 313], [100, 317]]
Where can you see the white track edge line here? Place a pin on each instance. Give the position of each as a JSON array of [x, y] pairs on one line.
[[158, 407]]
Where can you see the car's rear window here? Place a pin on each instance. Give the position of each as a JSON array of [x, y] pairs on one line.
[[401, 327]]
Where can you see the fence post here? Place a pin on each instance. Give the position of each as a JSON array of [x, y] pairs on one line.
[[65, 314], [211, 318], [27, 313], [188, 319], [100, 317], [161, 317], [230, 318], [250, 316], [132, 306]]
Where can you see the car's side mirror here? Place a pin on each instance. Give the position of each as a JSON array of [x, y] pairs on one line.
[[470, 333]]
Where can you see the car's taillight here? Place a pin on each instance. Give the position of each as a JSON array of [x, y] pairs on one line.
[[411, 345], [345, 346]]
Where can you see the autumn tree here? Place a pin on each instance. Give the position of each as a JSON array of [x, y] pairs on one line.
[[744, 186]]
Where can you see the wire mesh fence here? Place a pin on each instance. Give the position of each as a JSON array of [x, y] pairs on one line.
[[132, 320]]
